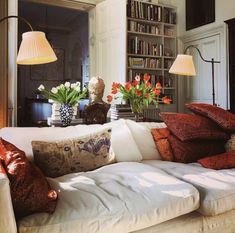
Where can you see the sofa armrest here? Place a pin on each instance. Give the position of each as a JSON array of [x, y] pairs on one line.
[[7, 219]]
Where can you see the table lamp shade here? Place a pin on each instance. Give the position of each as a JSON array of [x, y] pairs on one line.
[[35, 49], [183, 65]]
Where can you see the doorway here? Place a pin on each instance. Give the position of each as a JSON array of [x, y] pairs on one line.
[[67, 31]]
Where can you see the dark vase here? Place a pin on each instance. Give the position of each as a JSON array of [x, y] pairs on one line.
[[66, 114]]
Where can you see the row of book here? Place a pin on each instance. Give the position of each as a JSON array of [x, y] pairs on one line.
[[119, 111], [136, 62], [169, 16], [141, 10], [137, 46], [134, 26]]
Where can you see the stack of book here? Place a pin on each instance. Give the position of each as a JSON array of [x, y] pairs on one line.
[[140, 10], [121, 111]]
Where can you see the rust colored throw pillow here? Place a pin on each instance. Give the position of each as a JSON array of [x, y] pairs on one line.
[[223, 118], [30, 191], [160, 136], [221, 161], [189, 152], [188, 127]]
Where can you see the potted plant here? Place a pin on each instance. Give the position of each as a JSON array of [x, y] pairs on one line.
[[139, 93], [68, 95]]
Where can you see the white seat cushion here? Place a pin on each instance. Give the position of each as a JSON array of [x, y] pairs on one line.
[[121, 197], [217, 188]]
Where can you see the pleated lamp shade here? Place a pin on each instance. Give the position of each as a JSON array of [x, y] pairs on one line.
[[35, 49], [183, 65]]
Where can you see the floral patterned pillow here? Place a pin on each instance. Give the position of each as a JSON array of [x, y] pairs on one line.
[[81, 154]]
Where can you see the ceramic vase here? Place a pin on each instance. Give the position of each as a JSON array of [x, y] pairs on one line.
[[66, 114]]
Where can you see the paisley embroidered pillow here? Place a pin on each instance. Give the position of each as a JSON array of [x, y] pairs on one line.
[[74, 155]]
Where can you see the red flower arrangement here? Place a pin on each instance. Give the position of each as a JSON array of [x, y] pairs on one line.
[[139, 93]]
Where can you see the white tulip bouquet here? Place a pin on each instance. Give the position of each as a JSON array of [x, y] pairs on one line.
[[68, 93]]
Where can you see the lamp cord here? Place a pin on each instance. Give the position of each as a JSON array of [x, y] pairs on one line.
[[18, 17]]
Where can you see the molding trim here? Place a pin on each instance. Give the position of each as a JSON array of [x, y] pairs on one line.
[[4, 65], [71, 4]]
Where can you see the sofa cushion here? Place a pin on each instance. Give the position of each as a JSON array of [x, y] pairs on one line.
[[121, 197], [188, 152], [230, 144], [30, 191], [217, 188], [221, 161], [188, 127], [57, 158], [22, 138], [223, 118], [160, 137], [144, 140]]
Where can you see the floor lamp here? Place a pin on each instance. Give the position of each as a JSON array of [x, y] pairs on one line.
[[183, 65], [34, 48]]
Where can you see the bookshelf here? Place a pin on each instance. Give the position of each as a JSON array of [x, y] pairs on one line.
[[151, 45]]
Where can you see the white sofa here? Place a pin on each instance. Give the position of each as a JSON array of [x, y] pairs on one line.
[[140, 193]]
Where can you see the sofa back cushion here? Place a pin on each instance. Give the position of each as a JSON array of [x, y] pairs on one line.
[[188, 127], [57, 158], [122, 141], [30, 191], [223, 118], [144, 140]]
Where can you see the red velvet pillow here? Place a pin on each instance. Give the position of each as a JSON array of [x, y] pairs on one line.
[[188, 127], [223, 118], [189, 152], [30, 190], [160, 137], [221, 161]]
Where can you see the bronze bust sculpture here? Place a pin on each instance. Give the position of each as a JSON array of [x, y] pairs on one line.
[[96, 111]]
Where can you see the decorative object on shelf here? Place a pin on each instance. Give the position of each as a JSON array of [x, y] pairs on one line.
[[96, 111], [140, 94], [183, 65], [68, 96]]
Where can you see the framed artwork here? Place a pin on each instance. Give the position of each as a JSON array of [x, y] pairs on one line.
[[199, 13], [52, 71]]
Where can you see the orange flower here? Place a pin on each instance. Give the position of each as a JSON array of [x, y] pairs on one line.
[[166, 100], [138, 92], [158, 86], [116, 85], [147, 84], [135, 83], [114, 91], [109, 98], [128, 86], [146, 77], [137, 78], [147, 95], [156, 91]]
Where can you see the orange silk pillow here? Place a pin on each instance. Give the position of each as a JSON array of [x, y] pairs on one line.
[[160, 137]]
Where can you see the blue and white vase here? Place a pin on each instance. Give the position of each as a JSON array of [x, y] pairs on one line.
[[66, 114]]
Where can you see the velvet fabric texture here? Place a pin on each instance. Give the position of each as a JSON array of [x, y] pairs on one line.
[[220, 161], [223, 118], [189, 152], [160, 136], [30, 191], [188, 127], [57, 158]]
